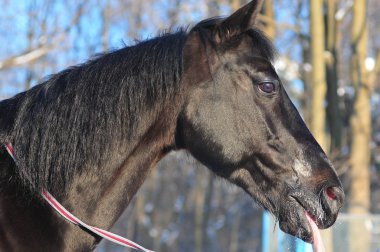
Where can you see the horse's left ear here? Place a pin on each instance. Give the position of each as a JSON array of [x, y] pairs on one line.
[[243, 19]]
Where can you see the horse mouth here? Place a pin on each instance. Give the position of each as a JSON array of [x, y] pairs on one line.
[[304, 216], [294, 221]]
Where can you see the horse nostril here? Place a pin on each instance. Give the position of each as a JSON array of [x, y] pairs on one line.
[[330, 193], [333, 192]]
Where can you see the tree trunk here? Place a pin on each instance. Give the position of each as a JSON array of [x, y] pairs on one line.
[[318, 113], [139, 216], [361, 129], [207, 208], [234, 240], [199, 210], [332, 110], [105, 13], [333, 113], [235, 4], [269, 27]]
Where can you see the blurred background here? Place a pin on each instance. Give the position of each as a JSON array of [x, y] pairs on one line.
[[329, 60]]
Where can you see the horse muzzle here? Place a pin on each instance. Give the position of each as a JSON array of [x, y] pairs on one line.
[[323, 208]]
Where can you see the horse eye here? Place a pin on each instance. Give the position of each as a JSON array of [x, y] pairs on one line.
[[267, 87]]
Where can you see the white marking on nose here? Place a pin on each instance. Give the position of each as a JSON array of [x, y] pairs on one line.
[[301, 167]]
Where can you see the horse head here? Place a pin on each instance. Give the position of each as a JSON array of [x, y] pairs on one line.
[[239, 121]]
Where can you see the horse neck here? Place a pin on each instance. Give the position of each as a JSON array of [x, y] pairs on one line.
[[97, 196], [100, 197]]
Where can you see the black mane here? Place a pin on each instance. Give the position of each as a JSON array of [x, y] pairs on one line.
[[70, 121]]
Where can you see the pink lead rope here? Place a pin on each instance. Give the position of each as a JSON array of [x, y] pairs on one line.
[[70, 217]]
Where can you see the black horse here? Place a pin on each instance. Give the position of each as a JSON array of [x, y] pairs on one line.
[[92, 133]]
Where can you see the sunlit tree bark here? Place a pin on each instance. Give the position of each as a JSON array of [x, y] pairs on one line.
[[361, 129], [318, 113], [269, 27], [235, 4]]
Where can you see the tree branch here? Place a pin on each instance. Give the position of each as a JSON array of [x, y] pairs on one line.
[[25, 57]]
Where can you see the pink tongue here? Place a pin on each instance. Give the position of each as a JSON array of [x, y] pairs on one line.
[[317, 239]]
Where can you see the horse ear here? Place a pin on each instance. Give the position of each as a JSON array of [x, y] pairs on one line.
[[243, 19]]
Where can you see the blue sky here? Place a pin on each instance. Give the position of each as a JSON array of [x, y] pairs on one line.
[[84, 40]]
